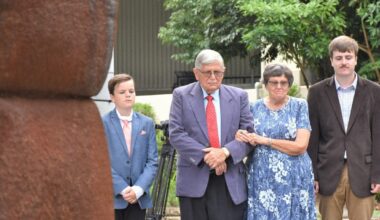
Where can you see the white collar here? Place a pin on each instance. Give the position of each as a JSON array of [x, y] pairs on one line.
[[353, 84], [123, 118]]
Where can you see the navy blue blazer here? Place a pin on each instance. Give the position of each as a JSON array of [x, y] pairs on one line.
[[139, 169], [188, 134]]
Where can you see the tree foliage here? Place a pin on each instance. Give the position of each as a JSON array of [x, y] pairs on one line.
[[299, 30], [198, 24], [369, 13]]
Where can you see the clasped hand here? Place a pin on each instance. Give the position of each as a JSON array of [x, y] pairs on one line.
[[215, 159], [130, 196]]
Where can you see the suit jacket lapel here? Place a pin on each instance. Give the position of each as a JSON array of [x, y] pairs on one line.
[[225, 112], [334, 101], [198, 108], [136, 127], [119, 130], [357, 102]]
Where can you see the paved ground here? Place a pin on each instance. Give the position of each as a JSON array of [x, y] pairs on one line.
[[172, 213]]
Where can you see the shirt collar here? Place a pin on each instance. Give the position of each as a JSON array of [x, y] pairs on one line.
[[123, 118], [215, 94], [352, 86]]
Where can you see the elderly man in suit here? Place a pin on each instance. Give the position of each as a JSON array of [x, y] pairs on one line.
[[345, 138], [204, 117], [132, 149]]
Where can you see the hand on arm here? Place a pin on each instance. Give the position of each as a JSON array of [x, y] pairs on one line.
[[244, 136], [293, 148]]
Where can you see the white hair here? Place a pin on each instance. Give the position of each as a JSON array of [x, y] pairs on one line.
[[208, 56]]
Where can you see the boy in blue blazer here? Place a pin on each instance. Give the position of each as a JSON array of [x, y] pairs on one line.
[[133, 151]]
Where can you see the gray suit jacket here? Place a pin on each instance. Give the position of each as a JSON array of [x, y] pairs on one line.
[[328, 139], [188, 134], [141, 168]]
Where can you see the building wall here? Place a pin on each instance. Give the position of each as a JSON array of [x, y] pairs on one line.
[[139, 52]]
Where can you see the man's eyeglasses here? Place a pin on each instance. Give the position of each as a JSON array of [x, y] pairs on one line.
[[208, 74], [283, 84]]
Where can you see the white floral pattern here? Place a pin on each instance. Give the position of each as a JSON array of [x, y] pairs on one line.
[[280, 186]]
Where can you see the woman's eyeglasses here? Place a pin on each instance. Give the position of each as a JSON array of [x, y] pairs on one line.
[[283, 84]]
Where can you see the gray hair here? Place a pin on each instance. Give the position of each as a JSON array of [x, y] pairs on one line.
[[276, 69], [208, 56]]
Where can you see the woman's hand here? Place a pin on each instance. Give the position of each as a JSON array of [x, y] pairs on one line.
[[257, 139], [290, 147], [244, 136], [252, 139]]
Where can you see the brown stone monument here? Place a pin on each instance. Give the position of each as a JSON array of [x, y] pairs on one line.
[[54, 55]]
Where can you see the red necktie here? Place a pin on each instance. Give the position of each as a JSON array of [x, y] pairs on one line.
[[127, 134], [212, 126]]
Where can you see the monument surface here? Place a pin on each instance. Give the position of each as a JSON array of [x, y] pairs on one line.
[[54, 55]]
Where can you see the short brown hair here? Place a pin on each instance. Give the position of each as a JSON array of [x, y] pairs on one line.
[[276, 69], [118, 78], [343, 44]]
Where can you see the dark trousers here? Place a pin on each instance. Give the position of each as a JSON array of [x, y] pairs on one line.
[[216, 204], [132, 212]]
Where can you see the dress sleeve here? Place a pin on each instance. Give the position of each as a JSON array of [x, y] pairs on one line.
[[303, 115]]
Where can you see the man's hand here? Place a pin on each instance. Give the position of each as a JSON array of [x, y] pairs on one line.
[[214, 157], [316, 187], [130, 196], [375, 188], [221, 169]]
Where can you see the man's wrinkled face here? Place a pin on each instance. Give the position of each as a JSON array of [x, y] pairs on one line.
[[210, 76]]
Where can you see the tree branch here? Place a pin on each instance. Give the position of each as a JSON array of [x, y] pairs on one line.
[[368, 51]]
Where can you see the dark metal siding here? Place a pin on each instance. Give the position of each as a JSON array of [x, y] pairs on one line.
[[139, 52]]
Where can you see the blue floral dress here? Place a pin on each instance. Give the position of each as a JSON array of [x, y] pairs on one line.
[[280, 186]]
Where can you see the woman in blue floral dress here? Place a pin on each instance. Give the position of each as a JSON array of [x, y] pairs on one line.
[[280, 176]]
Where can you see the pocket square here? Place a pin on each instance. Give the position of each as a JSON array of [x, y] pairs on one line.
[[142, 132]]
